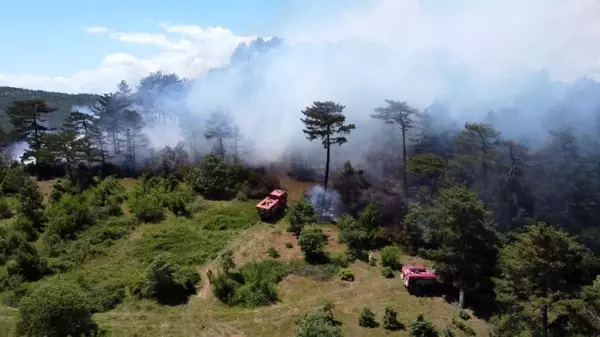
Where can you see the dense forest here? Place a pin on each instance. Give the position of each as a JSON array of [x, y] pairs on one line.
[[513, 227]]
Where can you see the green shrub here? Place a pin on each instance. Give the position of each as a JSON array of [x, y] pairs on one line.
[[423, 328], [252, 286], [387, 272], [340, 259], [321, 323], [289, 245], [301, 213], [464, 315], [465, 328], [242, 193], [5, 211], [166, 284], [27, 263], [312, 242], [31, 203], [147, 207], [366, 318], [214, 179], [24, 225], [178, 200], [448, 332], [390, 320], [69, 216], [55, 310], [346, 274], [106, 197], [390, 256], [273, 253], [14, 297]]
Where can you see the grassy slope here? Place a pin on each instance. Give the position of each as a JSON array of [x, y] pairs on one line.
[[193, 241]]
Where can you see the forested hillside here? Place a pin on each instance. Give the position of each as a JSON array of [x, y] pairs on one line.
[[104, 233]]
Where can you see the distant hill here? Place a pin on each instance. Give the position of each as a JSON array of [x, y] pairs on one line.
[[64, 102]]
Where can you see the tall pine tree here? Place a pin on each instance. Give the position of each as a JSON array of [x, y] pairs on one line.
[[28, 121]]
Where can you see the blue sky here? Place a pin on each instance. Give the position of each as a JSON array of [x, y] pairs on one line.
[[48, 38]]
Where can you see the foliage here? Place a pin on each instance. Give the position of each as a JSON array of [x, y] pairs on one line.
[[325, 121], [390, 256], [423, 328], [214, 181], [351, 184], [321, 323], [30, 203], [464, 315], [273, 253], [301, 213], [413, 228], [340, 259], [289, 245], [5, 210], [366, 318], [387, 272], [346, 274], [390, 320], [252, 285], [362, 233], [55, 309], [464, 327], [166, 284], [147, 204], [312, 242], [27, 263], [69, 216]]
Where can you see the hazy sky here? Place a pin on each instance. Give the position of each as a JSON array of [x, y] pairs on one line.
[[75, 46]]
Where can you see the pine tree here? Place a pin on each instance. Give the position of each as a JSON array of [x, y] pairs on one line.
[[398, 113], [27, 119], [134, 139], [219, 126], [109, 113], [325, 121]]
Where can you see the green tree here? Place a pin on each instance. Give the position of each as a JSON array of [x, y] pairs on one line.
[[423, 328], [362, 233], [31, 203], [542, 273], [28, 122], [134, 138], [312, 241], [402, 114], [465, 243], [321, 324], [55, 309], [325, 121], [350, 183], [219, 126], [214, 181], [427, 166], [301, 213]]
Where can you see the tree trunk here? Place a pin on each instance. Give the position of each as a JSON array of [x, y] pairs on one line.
[[404, 179], [545, 319], [461, 292], [327, 164]]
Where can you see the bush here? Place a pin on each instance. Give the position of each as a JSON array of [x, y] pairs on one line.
[[289, 245], [390, 320], [465, 328], [106, 197], [252, 286], [55, 310], [464, 315], [147, 207], [5, 211], [166, 284], [366, 318], [390, 256], [340, 259], [273, 253], [31, 203], [178, 200], [69, 216], [312, 241], [321, 323], [24, 225], [27, 263], [423, 328], [387, 272], [242, 193], [346, 274], [214, 177], [448, 332], [301, 213]]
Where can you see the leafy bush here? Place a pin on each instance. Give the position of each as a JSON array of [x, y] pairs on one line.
[[366, 318], [177, 201], [27, 263], [31, 203], [24, 225], [448, 332], [166, 284], [464, 315], [312, 241], [273, 253], [423, 328], [226, 262], [242, 193], [340, 259], [465, 328], [387, 272], [14, 297], [390, 320], [289, 245], [147, 207], [301, 213], [321, 323], [390, 256], [107, 197], [346, 274], [252, 286], [5, 211], [55, 310], [214, 177], [69, 216]]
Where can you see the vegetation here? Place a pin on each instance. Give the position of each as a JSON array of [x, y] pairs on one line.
[[366, 319]]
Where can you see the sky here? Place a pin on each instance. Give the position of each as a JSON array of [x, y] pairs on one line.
[[76, 46]]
